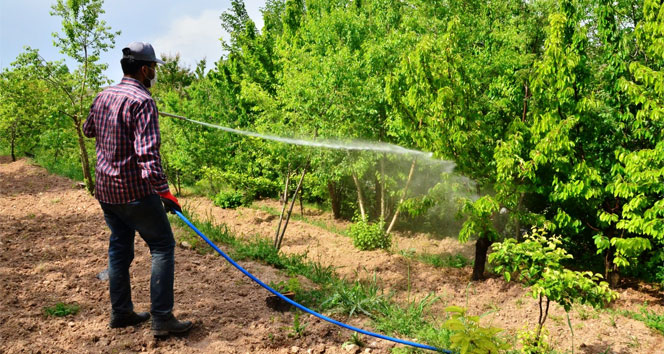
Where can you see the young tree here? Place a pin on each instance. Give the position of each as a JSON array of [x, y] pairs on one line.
[[84, 36]]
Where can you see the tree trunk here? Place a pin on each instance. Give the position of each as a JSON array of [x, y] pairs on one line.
[[611, 272], [543, 313], [382, 188], [403, 197], [360, 198], [335, 199], [85, 162], [290, 209], [13, 143], [284, 199], [481, 248], [301, 203]]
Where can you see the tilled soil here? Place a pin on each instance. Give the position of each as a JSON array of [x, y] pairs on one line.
[[53, 244]]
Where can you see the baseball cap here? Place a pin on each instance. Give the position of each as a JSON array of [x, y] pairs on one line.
[[140, 51]]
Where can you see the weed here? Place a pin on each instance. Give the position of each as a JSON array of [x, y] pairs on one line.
[[61, 310], [405, 321], [532, 342], [298, 326], [444, 260], [320, 224], [357, 297], [292, 285], [633, 342], [469, 336], [650, 318], [519, 302], [612, 319], [355, 339], [586, 313]]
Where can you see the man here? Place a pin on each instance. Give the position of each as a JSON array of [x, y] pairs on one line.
[[131, 187]]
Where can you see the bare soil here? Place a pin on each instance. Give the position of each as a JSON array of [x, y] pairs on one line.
[[53, 243]]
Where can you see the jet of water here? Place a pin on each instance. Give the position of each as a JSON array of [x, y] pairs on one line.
[[357, 145]]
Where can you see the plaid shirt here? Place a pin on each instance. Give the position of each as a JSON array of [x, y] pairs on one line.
[[124, 120]]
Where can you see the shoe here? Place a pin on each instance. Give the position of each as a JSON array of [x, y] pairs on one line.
[[128, 319], [163, 327]]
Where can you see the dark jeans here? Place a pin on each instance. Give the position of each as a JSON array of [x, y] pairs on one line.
[[147, 216]]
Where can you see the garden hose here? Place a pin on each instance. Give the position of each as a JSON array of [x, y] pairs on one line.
[[301, 307]]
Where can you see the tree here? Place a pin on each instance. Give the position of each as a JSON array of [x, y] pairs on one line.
[[538, 263], [22, 110], [83, 39], [462, 81], [638, 174]]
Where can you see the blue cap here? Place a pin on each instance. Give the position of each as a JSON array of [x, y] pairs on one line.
[[140, 51]]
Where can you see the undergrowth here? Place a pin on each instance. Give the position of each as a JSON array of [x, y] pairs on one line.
[[332, 294], [439, 260], [299, 217], [649, 318]]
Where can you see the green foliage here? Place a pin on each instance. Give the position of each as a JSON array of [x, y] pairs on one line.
[[229, 199], [537, 261], [532, 344], [61, 309], [480, 219], [469, 337], [369, 236], [356, 298], [445, 261], [651, 318], [553, 108], [292, 285], [299, 326], [356, 340], [407, 320], [439, 260]]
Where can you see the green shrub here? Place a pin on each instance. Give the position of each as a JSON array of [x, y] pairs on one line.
[[61, 310], [229, 200], [369, 236], [469, 337]]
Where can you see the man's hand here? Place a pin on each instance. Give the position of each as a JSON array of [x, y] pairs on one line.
[[170, 202]]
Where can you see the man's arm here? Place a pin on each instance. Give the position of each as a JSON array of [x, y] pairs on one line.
[[89, 125]]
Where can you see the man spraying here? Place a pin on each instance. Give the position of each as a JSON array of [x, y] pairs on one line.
[[131, 186]]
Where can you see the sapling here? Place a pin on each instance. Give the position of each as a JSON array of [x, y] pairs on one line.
[[537, 262]]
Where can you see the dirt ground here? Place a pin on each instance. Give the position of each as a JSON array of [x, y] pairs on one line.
[[53, 243]]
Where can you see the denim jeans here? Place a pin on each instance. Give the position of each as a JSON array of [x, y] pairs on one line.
[[147, 216]]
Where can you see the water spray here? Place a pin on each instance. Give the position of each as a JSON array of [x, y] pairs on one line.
[[356, 145]]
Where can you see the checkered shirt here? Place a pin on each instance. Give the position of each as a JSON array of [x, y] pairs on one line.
[[124, 120]]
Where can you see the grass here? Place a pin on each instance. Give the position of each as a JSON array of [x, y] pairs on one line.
[[61, 310], [299, 217], [439, 260], [340, 296], [650, 318], [70, 168]]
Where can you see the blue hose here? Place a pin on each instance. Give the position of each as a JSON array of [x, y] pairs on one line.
[[305, 309]]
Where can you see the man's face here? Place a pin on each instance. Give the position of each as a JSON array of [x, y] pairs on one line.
[[149, 73]]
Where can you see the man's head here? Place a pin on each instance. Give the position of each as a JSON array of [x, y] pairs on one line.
[[139, 62]]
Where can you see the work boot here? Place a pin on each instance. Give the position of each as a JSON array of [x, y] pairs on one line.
[[128, 319], [164, 326]]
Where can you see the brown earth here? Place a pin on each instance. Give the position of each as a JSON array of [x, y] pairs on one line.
[[53, 244]]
